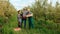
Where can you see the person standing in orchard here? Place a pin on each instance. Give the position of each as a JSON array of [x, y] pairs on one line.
[[24, 17], [19, 19], [30, 18]]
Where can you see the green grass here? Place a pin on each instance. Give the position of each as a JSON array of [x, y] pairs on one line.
[[40, 27]]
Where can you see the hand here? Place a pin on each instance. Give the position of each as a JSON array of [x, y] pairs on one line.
[[27, 16]]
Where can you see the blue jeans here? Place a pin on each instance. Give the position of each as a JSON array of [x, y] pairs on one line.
[[24, 20]]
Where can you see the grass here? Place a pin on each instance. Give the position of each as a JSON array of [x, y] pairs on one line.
[[40, 27]]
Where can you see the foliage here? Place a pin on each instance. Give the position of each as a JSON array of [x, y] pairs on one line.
[[46, 19]]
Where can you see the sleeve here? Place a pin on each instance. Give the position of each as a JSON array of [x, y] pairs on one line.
[[29, 12]]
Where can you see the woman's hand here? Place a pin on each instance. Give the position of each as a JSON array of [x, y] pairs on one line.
[[29, 15]]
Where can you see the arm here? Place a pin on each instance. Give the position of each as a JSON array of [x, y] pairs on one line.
[[29, 15]]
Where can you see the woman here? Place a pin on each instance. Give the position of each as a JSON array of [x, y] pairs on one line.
[[30, 19], [19, 18]]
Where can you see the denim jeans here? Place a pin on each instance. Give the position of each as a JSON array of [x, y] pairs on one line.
[[24, 20]]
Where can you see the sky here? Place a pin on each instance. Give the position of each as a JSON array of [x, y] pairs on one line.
[[19, 4]]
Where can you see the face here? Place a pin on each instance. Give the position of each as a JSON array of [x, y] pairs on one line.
[[19, 11], [24, 10], [28, 9]]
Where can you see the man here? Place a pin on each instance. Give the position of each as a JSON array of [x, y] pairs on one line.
[[30, 19], [24, 17]]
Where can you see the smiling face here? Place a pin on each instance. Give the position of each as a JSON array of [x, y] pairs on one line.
[[28, 9], [24, 9]]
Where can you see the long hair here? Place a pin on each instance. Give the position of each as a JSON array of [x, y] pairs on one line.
[[19, 11]]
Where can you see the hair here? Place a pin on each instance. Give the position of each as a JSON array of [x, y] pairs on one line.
[[19, 11], [25, 8]]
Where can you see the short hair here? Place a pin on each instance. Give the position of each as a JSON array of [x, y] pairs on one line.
[[25, 8]]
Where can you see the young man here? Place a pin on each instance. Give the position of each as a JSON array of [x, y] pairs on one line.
[[30, 18], [24, 17]]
